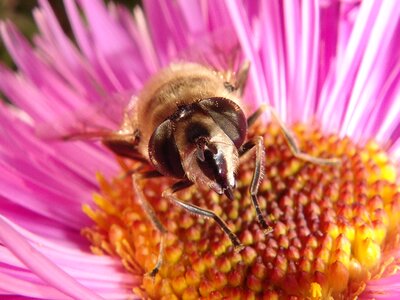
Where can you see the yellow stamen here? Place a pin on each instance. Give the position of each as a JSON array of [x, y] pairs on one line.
[[315, 291], [334, 227]]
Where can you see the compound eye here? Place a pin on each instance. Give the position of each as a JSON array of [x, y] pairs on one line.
[[228, 116], [163, 152]]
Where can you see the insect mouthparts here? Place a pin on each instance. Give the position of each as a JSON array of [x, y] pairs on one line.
[[229, 193], [201, 144]]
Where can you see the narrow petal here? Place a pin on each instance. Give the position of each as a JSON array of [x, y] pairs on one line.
[[14, 286], [40, 265], [243, 31], [272, 54], [333, 106], [371, 73]]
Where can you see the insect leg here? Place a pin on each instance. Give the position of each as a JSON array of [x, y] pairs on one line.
[[291, 140], [169, 194], [242, 76], [149, 211], [257, 144], [124, 145]]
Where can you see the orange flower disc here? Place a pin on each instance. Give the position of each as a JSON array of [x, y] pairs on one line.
[[334, 226]]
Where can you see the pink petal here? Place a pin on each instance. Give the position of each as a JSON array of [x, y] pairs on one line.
[[40, 265]]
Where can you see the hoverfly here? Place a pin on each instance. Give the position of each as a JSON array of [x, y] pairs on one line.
[[188, 123]]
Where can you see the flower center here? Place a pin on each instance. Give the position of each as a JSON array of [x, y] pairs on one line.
[[333, 226]]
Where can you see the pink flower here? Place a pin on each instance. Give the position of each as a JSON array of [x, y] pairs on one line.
[[333, 61]]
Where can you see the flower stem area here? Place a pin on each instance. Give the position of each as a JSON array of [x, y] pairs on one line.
[[334, 227]]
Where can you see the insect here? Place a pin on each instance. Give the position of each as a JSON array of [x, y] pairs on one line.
[[188, 123]]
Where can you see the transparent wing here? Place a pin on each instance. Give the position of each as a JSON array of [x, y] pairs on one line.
[[219, 50], [88, 121]]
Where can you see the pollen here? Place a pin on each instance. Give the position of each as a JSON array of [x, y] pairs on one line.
[[334, 226]]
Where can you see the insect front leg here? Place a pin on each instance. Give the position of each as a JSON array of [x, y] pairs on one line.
[[242, 77], [194, 209], [149, 211], [124, 145], [257, 144], [291, 140], [237, 83]]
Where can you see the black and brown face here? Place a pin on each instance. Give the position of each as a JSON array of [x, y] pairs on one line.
[[208, 155], [201, 143]]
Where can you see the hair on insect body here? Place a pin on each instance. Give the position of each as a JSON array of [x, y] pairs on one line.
[[188, 123]]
